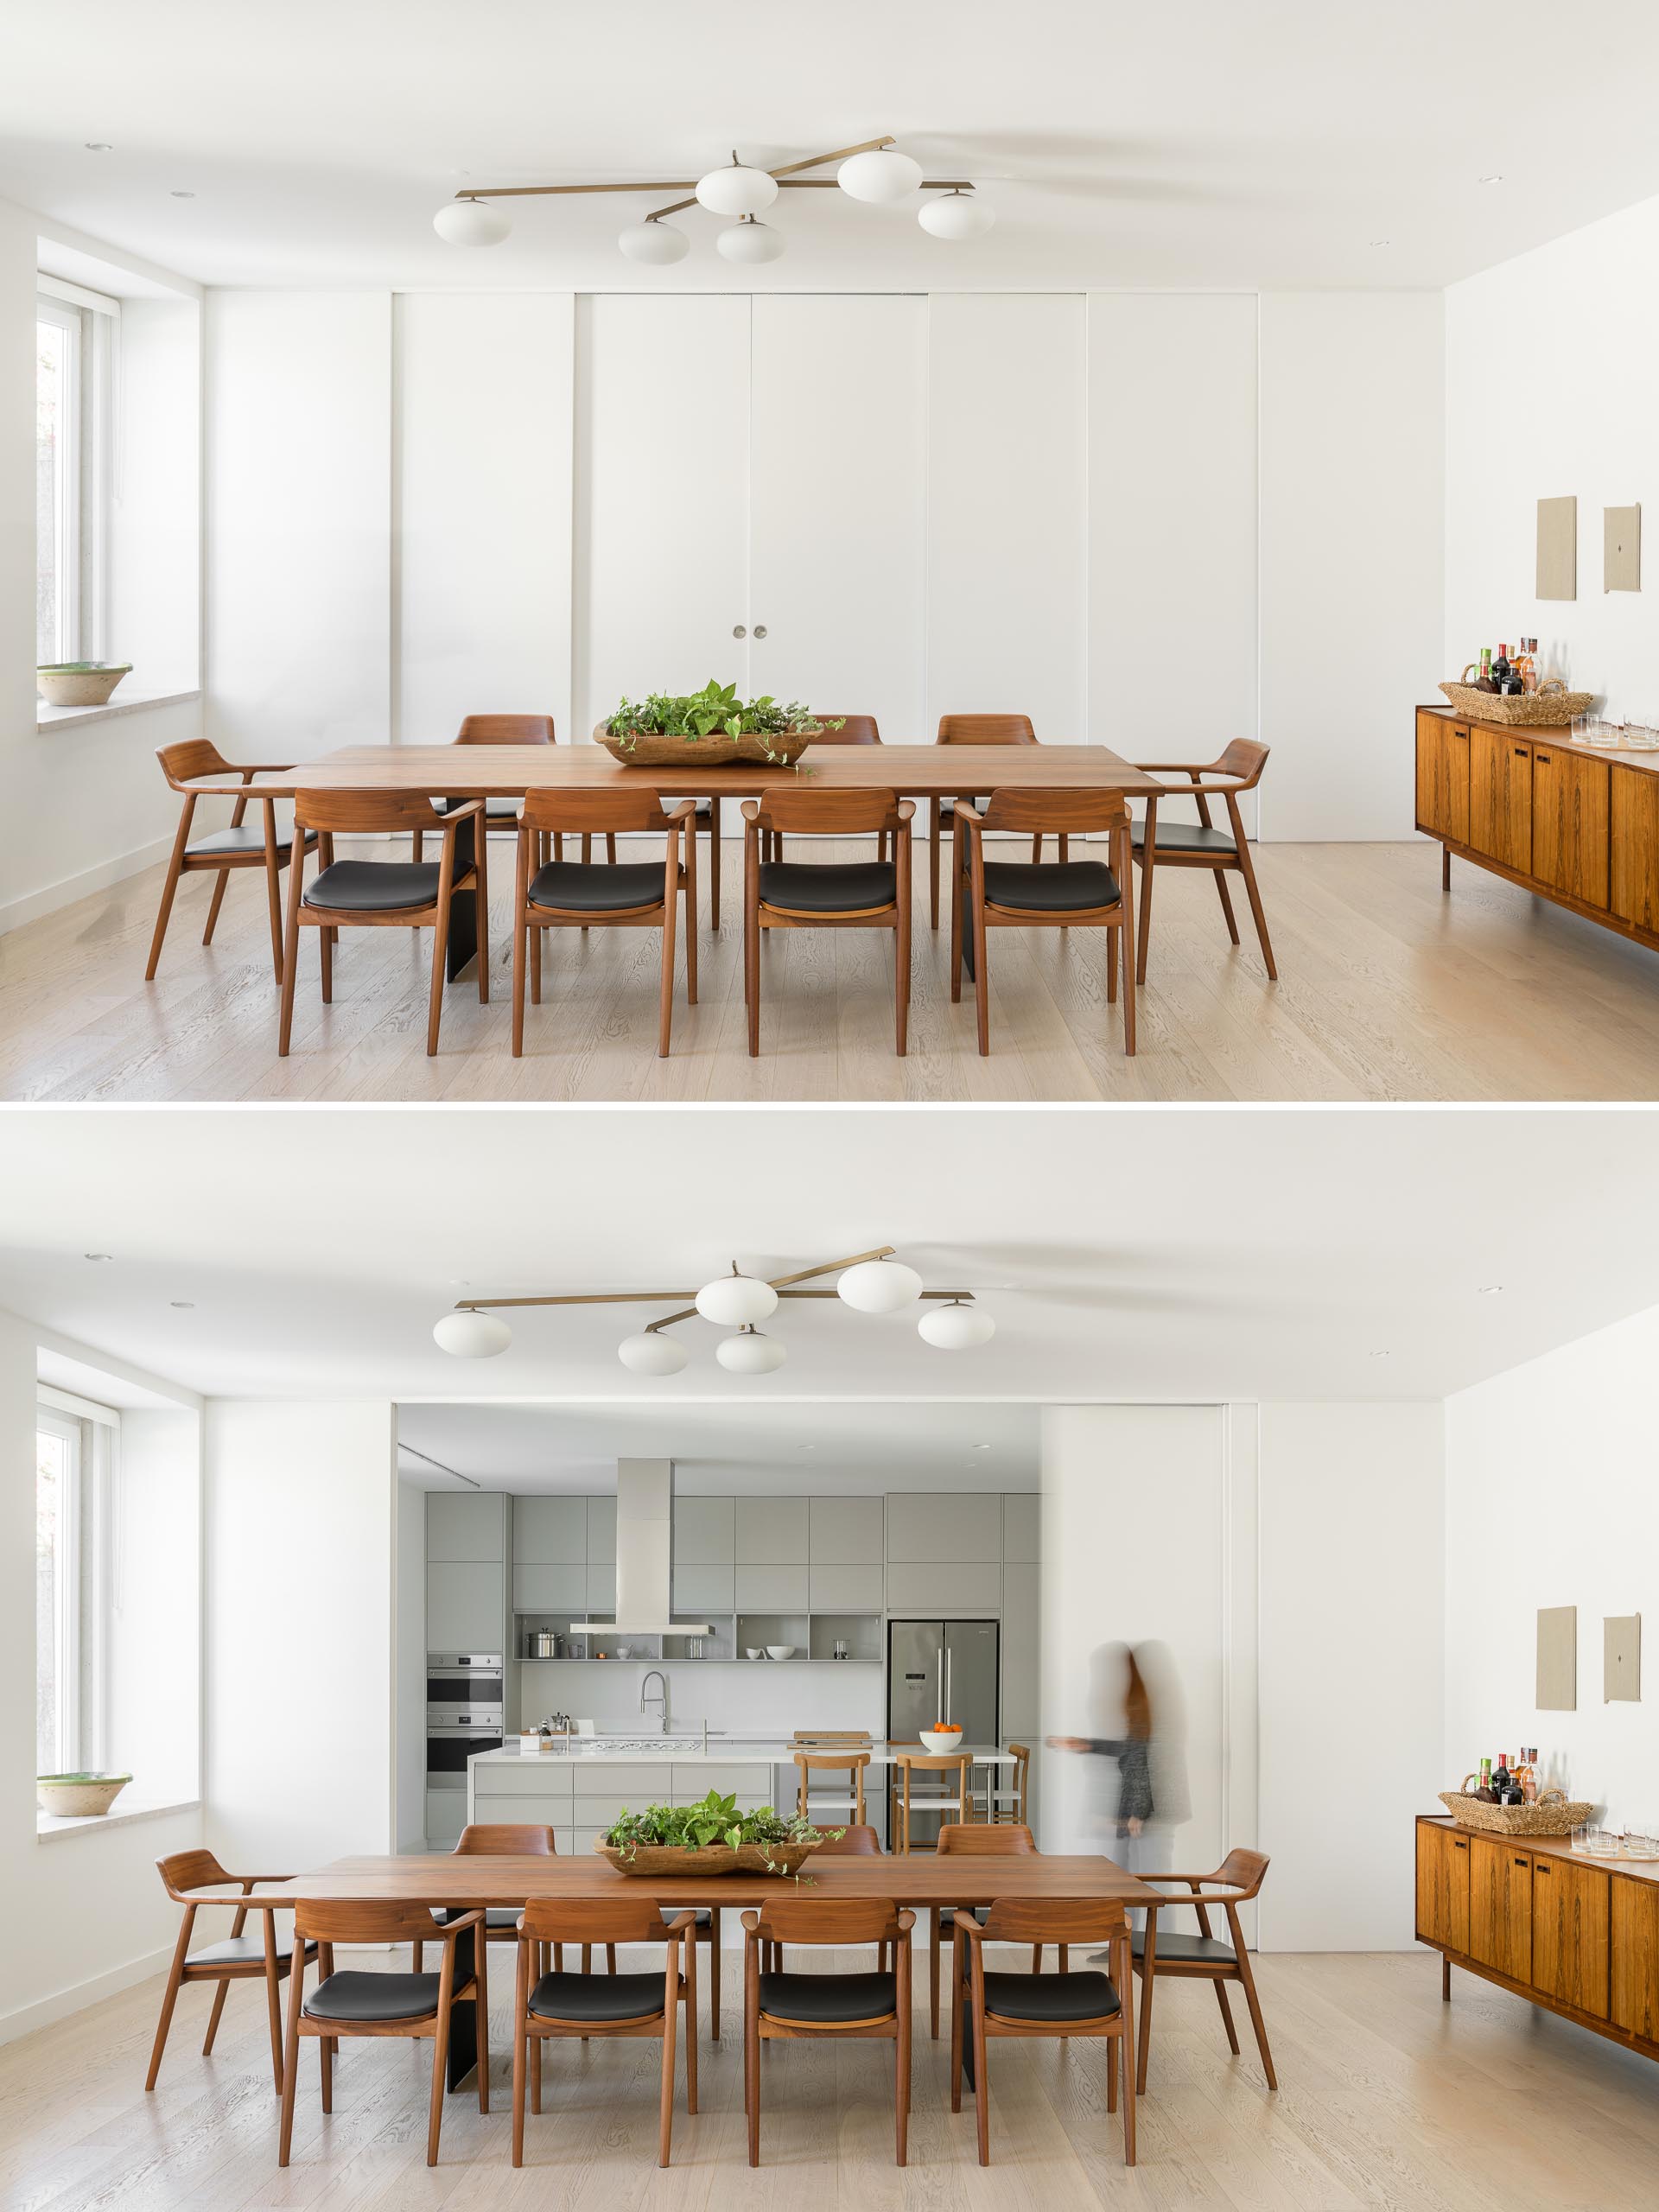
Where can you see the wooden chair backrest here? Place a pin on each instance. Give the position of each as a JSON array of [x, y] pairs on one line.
[[1245, 758], [193, 756], [506, 729], [1055, 1920], [828, 1920], [366, 1920], [190, 1869], [855, 729], [1004, 1839], [595, 1920], [839, 1762], [985, 729], [933, 1760], [506, 1840], [1242, 1869], [610, 810], [825, 814], [1079, 811], [850, 1843], [365, 810]]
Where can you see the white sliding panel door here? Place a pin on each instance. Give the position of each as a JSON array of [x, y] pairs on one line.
[[1007, 522], [838, 506], [298, 612], [662, 507], [483, 439], [1171, 524]]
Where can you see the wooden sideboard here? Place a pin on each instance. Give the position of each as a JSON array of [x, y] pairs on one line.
[[1576, 823], [1578, 1936]]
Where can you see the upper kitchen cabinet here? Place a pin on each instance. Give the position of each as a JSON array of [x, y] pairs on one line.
[[944, 1525], [771, 1530], [844, 1531], [549, 1531], [601, 1530], [473, 1526], [705, 1532], [1022, 1517], [466, 1605]]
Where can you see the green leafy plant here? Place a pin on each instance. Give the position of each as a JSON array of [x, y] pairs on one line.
[[713, 1821], [716, 710]]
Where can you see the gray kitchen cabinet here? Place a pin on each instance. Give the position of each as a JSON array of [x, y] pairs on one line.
[[466, 1605], [835, 1589], [446, 1816], [602, 1587], [601, 1531], [844, 1532], [699, 1591], [948, 1588], [551, 1589], [772, 1589], [1022, 1517], [705, 1531], [474, 1526], [930, 1527], [549, 1531], [771, 1530], [1021, 1644], [545, 1778]]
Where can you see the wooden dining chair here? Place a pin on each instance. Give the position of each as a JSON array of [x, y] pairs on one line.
[[224, 851], [501, 815], [1158, 843], [1160, 1953], [497, 1840], [1071, 2004], [236, 1958], [850, 1842], [587, 2005], [975, 1839], [1011, 894], [833, 895], [849, 1764], [971, 729], [357, 2004], [854, 729], [384, 894], [954, 1797], [778, 2003], [578, 895]]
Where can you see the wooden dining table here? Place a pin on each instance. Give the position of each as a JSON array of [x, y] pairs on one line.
[[464, 772], [463, 1880]]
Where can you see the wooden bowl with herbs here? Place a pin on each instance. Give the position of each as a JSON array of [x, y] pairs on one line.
[[712, 727], [711, 1837]]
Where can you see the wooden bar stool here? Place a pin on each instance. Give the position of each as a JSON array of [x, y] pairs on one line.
[[1203, 1957], [222, 850], [238, 1958], [957, 1798], [1009, 1801], [853, 1763]]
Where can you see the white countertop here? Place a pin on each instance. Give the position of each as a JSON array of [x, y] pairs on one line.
[[688, 1750]]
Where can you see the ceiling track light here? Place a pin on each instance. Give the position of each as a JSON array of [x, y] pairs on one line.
[[873, 172], [875, 1282]]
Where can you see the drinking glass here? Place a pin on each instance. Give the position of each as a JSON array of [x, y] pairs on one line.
[[1580, 729], [1581, 1837]]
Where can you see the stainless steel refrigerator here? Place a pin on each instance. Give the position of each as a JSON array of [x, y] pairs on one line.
[[917, 1651]]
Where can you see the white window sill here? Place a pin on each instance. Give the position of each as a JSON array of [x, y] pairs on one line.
[[125, 702], [49, 1826]]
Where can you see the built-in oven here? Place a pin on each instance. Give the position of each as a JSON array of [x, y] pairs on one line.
[[465, 1711], [448, 1750]]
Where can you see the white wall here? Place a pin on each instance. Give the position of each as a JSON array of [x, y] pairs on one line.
[[1552, 1500], [156, 1704], [155, 496], [301, 1501], [409, 1607], [1352, 522], [1570, 411]]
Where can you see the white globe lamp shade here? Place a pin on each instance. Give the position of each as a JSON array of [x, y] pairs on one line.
[[879, 1287], [955, 1328], [657, 244], [737, 191], [652, 1353], [737, 1301], [471, 222], [750, 1353], [749, 243], [880, 177], [471, 1336], [956, 216]]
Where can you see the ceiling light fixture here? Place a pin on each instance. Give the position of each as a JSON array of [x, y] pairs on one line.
[[1381, 241], [97, 1256], [99, 146], [182, 1305], [181, 195], [1490, 1289], [869, 1282], [874, 172], [1496, 178]]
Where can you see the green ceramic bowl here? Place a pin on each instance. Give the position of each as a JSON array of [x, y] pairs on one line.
[[80, 683], [74, 1796]]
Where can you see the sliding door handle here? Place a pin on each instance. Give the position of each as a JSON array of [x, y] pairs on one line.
[[760, 629], [738, 630]]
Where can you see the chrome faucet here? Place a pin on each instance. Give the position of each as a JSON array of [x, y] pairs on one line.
[[661, 1700]]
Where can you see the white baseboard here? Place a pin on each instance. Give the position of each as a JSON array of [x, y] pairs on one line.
[[45, 2010], [49, 900]]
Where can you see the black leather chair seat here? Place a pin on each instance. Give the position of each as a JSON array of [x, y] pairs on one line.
[[823, 2000], [1072, 887], [705, 1919], [372, 1997], [1043, 1997], [836, 887], [599, 1997], [1190, 1950], [498, 1916], [243, 1951], [247, 841], [575, 887], [374, 887], [1183, 837]]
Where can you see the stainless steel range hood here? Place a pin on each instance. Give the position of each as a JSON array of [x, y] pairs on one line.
[[645, 1555]]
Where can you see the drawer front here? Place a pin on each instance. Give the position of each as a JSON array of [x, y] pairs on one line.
[[949, 1589], [750, 1784], [845, 1589], [772, 1589], [535, 1777], [640, 1781]]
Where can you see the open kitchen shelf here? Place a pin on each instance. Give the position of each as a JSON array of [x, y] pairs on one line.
[[813, 1634]]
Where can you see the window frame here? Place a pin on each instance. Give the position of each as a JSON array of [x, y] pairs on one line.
[[84, 491], [83, 1575]]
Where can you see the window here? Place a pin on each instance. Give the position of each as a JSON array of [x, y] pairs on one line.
[[73, 355], [74, 1458]]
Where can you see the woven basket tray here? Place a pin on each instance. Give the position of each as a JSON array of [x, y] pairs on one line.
[[1553, 1814], [1549, 707], [660, 1858], [649, 750]]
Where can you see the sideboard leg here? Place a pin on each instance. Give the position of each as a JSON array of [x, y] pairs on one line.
[[1446, 1979], [1445, 868]]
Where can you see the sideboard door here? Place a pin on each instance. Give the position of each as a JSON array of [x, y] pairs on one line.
[[1569, 1933], [1500, 1906], [1500, 797], [1443, 778], [1569, 823], [1635, 2005], [1443, 1886], [1634, 812]]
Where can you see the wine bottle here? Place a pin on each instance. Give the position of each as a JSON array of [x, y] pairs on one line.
[[1503, 1784], [1485, 663], [1485, 1791], [1501, 670]]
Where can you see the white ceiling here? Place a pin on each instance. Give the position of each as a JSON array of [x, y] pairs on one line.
[[1199, 144], [1143, 1254]]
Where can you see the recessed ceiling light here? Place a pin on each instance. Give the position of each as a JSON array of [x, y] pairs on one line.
[[182, 1305], [1490, 1289], [1382, 1355], [98, 146], [181, 195], [1381, 241], [981, 1448], [97, 1256], [1496, 178]]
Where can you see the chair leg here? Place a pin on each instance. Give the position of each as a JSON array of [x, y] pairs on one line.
[[520, 932], [290, 2069], [326, 953], [981, 980], [1247, 870], [982, 2090], [170, 884], [665, 2103], [481, 2012], [435, 1002], [752, 969], [901, 2088], [1130, 2091], [1220, 1988], [435, 2110], [752, 2072], [956, 2033], [714, 863], [933, 864], [326, 2053], [901, 981], [933, 1971], [536, 2042], [169, 1998], [274, 2003], [520, 2039], [1225, 896], [1248, 1981], [220, 1995], [691, 2021], [1111, 963], [214, 904], [1446, 1978], [274, 889], [1445, 868], [713, 1974], [1148, 1977], [665, 996]]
